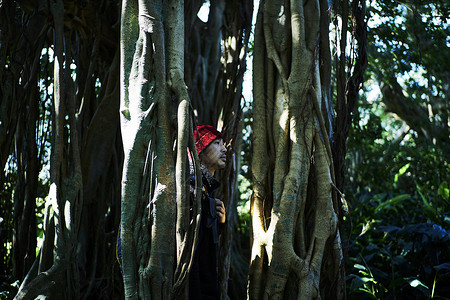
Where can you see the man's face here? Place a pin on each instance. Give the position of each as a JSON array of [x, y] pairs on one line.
[[214, 156]]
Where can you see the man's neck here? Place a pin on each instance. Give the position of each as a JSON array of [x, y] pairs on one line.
[[211, 171], [208, 179]]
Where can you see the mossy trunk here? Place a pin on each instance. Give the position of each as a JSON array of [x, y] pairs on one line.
[[156, 120], [296, 250]]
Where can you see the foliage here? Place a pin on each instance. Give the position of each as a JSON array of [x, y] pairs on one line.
[[244, 178], [394, 261], [29, 44], [408, 47], [397, 161], [397, 181], [397, 191], [6, 230]]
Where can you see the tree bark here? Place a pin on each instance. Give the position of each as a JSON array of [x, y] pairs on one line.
[[415, 115], [349, 80], [151, 80], [294, 209], [74, 260], [25, 235]]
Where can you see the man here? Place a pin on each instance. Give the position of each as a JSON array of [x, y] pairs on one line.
[[203, 282]]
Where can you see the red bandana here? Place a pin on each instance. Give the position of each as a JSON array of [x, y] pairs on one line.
[[204, 135]]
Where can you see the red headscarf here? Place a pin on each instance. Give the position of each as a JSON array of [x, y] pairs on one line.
[[204, 135]]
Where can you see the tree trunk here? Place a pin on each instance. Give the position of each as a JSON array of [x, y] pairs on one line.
[[86, 148], [296, 250], [228, 95], [348, 80], [415, 115], [154, 184], [74, 260], [24, 242]]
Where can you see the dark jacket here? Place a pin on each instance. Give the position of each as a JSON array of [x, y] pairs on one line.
[[203, 282]]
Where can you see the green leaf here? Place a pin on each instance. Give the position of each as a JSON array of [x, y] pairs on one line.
[[443, 190], [126, 114], [367, 279], [359, 267], [444, 266], [362, 269], [356, 282], [425, 201], [416, 283], [392, 201], [401, 172]]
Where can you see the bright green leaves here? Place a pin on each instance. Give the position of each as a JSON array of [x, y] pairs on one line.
[[365, 283], [401, 172], [443, 190], [126, 114], [392, 202]]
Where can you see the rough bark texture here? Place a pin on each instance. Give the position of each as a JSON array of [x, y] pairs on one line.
[[18, 109], [349, 77], [45, 100], [77, 81], [145, 201], [350, 69], [158, 237], [228, 94], [296, 251]]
